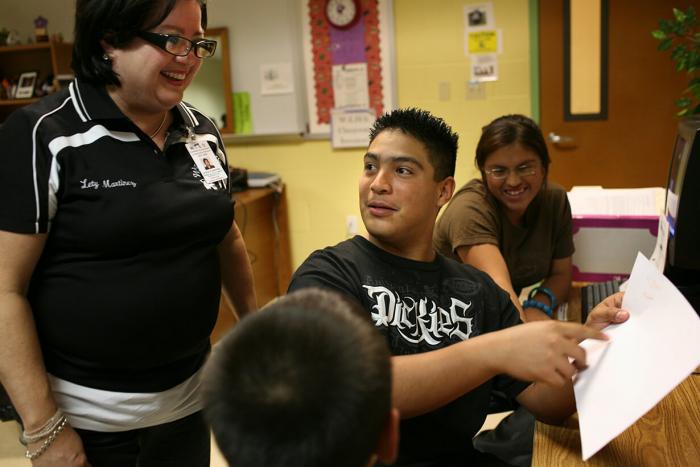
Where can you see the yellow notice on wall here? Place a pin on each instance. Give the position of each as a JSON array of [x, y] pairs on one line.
[[483, 42]]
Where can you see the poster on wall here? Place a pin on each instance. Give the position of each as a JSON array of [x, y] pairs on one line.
[[350, 127], [484, 67], [276, 78], [479, 17], [348, 57], [350, 85]]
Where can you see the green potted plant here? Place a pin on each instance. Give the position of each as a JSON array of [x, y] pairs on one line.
[[680, 35]]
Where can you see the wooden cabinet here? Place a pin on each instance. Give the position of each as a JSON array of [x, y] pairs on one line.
[[46, 58], [261, 215]]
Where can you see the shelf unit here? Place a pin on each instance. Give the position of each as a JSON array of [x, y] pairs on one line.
[[46, 58]]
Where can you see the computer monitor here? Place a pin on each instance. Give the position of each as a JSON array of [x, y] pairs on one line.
[[682, 211]]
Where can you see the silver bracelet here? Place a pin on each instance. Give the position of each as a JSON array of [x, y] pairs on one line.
[[41, 433], [48, 441]]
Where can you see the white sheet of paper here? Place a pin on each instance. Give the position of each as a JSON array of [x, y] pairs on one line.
[[350, 86], [350, 127], [617, 201], [645, 359], [276, 78]]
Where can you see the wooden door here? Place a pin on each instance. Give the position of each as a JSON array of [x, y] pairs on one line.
[[632, 146]]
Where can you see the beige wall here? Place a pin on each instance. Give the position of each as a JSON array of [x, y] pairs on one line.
[[322, 183]]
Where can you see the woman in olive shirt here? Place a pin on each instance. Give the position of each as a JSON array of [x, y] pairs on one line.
[[515, 226], [512, 223]]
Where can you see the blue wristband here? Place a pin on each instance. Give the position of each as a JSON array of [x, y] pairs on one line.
[[548, 292], [530, 303]]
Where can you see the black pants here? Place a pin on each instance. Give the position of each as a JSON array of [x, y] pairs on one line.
[[511, 440], [184, 442]]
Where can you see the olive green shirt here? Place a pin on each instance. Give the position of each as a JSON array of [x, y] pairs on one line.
[[475, 217]]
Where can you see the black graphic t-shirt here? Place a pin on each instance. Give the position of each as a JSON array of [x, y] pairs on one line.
[[419, 307]]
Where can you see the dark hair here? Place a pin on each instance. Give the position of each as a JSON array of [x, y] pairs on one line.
[[116, 22], [436, 135], [304, 381], [507, 130]]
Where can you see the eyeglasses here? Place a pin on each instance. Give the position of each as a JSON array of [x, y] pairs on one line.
[[499, 173], [178, 45]]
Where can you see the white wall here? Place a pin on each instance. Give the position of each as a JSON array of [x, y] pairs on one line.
[[19, 16]]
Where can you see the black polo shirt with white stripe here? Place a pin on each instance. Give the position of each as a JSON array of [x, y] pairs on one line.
[[127, 289]]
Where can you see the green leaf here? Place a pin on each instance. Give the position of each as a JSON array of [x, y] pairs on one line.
[[665, 44], [683, 102], [694, 90], [695, 110], [678, 52], [658, 34], [682, 112], [682, 62], [679, 14]]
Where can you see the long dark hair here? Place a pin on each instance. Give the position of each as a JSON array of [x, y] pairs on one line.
[[116, 22]]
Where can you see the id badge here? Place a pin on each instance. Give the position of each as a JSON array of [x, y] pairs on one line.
[[207, 162]]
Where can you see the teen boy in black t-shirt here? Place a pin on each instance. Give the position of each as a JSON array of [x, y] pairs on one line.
[[451, 330]]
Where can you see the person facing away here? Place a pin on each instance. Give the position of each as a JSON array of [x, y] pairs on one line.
[[306, 381], [115, 251], [512, 223], [454, 335]]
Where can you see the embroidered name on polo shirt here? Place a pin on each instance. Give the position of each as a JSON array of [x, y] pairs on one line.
[[94, 184]]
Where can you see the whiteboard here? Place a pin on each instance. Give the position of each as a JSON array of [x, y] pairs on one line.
[[261, 33]]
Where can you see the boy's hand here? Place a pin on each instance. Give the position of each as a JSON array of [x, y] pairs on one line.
[[540, 351]]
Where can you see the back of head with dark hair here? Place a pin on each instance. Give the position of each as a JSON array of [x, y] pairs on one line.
[[304, 381], [436, 135], [116, 22], [507, 130]]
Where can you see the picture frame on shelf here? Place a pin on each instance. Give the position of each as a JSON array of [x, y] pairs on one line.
[[26, 85]]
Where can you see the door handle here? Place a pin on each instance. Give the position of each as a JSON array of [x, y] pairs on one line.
[[560, 139]]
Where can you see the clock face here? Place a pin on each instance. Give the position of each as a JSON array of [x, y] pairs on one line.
[[342, 13]]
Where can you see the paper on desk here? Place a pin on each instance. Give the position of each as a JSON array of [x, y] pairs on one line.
[[645, 359], [616, 201]]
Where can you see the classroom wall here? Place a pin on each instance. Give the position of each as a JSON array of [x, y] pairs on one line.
[[20, 17], [322, 183]]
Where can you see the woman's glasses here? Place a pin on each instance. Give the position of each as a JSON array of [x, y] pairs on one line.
[[499, 173], [178, 45]]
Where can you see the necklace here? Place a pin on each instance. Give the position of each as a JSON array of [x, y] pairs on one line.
[[159, 126]]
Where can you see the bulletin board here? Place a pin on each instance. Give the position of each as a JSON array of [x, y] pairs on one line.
[[331, 53]]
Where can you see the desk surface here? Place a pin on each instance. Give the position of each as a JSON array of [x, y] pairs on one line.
[[668, 435]]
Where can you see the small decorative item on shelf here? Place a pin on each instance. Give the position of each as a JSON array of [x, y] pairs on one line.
[[4, 32], [12, 38], [5, 89], [25, 85], [47, 86], [41, 34]]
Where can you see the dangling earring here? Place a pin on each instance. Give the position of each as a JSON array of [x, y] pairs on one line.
[[105, 57]]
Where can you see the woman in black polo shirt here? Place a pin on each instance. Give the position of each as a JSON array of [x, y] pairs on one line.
[[116, 244]]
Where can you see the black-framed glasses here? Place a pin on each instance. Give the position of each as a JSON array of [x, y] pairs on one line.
[[178, 45], [499, 173]]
